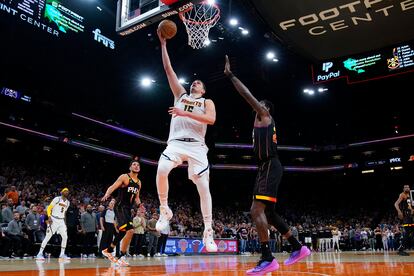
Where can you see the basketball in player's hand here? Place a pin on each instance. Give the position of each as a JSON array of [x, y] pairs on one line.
[[167, 28]]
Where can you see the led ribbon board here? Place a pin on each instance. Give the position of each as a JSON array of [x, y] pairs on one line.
[[383, 63], [47, 15]]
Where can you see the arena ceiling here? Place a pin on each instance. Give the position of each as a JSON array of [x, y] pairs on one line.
[[76, 73], [327, 29]]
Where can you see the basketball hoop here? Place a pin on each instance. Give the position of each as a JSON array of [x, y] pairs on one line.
[[198, 21]]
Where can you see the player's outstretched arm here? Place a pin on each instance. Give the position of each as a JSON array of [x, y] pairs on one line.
[[244, 91], [118, 183], [176, 87]]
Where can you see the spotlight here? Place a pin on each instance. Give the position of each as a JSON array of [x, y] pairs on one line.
[[207, 42], [245, 32], [270, 55], [234, 22], [146, 82], [182, 81], [211, 2], [308, 91]]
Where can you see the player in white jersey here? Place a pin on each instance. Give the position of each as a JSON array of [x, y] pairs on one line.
[[56, 213], [190, 116]]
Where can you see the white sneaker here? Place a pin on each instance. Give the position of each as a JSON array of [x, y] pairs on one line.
[[40, 257], [164, 255], [122, 261], [109, 255], [208, 240], [148, 255], [158, 255], [165, 215], [64, 257], [141, 256], [92, 256]]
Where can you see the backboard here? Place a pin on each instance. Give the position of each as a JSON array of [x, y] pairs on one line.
[[134, 15]]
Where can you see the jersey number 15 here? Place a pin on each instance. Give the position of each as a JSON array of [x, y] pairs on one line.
[[188, 108]]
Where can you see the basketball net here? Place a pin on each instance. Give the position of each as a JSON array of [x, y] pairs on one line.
[[198, 21]]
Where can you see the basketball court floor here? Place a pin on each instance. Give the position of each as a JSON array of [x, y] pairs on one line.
[[322, 264]]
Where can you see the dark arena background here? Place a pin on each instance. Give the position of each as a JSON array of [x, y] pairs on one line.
[[83, 91]]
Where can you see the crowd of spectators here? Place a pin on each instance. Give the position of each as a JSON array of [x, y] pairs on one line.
[[26, 192]]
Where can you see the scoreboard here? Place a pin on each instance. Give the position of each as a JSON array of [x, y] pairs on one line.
[[51, 16], [378, 64]]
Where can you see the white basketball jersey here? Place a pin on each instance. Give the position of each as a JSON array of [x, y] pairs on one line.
[[185, 127], [60, 207]]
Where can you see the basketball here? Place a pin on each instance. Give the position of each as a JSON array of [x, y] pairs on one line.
[[167, 28]]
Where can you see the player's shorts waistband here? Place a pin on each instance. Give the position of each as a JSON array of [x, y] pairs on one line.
[[187, 140], [56, 217], [266, 198]]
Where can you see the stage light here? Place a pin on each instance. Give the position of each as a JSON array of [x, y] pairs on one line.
[[207, 42], [270, 55], [245, 32], [211, 2], [182, 81], [320, 90], [146, 82], [234, 22], [309, 91], [367, 171]]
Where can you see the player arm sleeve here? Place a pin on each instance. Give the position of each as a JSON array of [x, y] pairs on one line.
[[50, 207]]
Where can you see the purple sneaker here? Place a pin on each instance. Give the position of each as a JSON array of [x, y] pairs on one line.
[[298, 255], [263, 267]]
